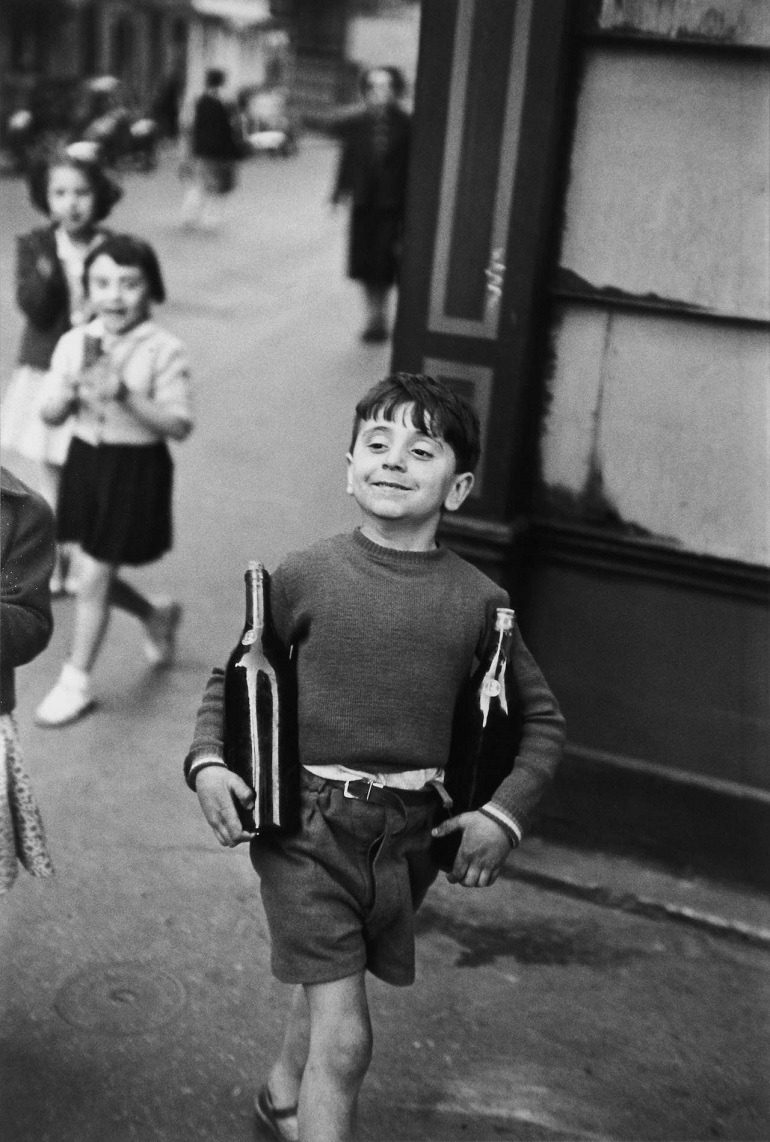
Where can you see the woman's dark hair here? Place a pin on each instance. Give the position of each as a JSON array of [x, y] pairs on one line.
[[436, 410], [106, 190], [126, 250], [397, 80]]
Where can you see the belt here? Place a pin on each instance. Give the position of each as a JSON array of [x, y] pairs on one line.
[[376, 793]]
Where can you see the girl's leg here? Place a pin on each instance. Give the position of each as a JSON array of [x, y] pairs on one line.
[[160, 620], [338, 1058], [70, 698], [92, 611], [48, 483]]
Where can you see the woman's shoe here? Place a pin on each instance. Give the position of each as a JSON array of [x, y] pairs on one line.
[[271, 1118]]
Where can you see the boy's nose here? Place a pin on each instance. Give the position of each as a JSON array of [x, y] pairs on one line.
[[394, 459]]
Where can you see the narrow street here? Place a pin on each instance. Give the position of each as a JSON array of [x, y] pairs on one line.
[[137, 1000]]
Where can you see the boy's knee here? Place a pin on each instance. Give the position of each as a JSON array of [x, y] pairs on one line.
[[346, 1046]]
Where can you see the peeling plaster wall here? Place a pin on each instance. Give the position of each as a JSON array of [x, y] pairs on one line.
[[673, 416], [669, 201]]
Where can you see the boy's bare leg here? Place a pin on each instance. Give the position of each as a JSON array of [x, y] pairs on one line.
[[338, 1058], [285, 1078]]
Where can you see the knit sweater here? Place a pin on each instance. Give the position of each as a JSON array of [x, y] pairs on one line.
[[384, 640]]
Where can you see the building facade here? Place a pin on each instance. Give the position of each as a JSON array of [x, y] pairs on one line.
[[587, 258]]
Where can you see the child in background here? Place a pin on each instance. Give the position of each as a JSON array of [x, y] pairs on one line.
[[384, 625], [125, 383], [76, 195]]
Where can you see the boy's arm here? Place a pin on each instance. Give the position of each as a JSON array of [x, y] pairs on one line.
[[489, 833], [540, 748], [205, 770]]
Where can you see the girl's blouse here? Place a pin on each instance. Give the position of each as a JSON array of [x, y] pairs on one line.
[[149, 360], [72, 258]]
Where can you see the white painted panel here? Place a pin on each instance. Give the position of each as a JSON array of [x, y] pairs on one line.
[[670, 179], [675, 418], [570, 423]]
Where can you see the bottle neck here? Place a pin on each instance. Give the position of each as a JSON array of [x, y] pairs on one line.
[[255, 598]]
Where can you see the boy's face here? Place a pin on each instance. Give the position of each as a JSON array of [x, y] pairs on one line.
[[401, 478], [119, 294]]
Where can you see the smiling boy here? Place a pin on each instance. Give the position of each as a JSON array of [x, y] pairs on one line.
[[385, 625]]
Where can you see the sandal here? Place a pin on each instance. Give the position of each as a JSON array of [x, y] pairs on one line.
[[269, 1116]]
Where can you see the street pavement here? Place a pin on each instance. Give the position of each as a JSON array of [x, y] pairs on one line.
[[584, 996]]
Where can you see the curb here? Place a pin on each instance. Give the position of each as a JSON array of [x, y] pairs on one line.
[[653, 909]]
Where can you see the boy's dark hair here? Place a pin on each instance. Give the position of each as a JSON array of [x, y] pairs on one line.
[[437, 411], [126, 250], [106, 190]]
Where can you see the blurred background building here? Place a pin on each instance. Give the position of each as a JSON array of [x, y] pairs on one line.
[[587, 258]]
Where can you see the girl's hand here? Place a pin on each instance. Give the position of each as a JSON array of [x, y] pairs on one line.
[[483, 849], [44, 266]]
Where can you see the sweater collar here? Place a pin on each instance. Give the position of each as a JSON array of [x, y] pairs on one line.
[[392, 557]]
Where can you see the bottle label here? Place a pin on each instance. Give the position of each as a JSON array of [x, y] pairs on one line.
[[249, 637]]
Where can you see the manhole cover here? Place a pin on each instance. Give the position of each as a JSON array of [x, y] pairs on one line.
[[121, 999]]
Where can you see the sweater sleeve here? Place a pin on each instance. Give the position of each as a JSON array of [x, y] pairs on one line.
[[208, 736], [540, 748], [26, 621], [41, 296]]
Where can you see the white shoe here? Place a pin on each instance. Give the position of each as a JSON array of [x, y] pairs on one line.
[[160, 633], [69, 699], [57, 583]]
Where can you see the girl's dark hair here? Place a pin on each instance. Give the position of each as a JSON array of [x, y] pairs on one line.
[[106, 190], [397, 80], [436, 410], [126, 250]]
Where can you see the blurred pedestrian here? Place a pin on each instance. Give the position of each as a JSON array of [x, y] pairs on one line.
[[27, 550], [77, 195], [215, 146], [125, 382], [371, 176]]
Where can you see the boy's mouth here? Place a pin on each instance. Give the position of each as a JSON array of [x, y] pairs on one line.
[[390, 484]]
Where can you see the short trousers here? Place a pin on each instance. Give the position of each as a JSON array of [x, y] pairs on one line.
[[115, 501], [341, 894]]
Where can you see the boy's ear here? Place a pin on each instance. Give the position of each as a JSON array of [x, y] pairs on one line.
[[348, 462], [459, 492]]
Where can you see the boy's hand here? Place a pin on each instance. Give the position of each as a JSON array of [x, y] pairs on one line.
[[216, 788], [483, 849]]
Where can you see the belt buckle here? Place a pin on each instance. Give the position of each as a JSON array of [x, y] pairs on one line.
[[352, 781]]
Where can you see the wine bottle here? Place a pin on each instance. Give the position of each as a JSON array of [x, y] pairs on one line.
[[260, 715], [485, 732]]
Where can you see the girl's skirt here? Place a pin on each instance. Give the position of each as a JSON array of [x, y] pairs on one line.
[[22, 429], [115, 501]]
